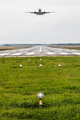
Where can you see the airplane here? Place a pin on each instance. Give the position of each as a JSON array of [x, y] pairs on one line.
[[40, 12]]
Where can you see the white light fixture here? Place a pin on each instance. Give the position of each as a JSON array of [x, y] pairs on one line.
[[40, 95], [20, 65], [59, 65], [40, 65]]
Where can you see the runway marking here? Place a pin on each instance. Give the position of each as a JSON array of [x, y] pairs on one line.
[[50, 53], [76, 53], [40, 50], [4, 54], [30, 53], [16, 54], [64, 53]]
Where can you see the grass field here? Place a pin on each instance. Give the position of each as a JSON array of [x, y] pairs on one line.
[[68, 47], [60, 85], [12, 47]]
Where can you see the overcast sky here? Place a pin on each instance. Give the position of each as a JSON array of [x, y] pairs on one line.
[[19, 27]]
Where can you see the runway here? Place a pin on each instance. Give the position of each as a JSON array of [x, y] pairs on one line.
[[39, 51]]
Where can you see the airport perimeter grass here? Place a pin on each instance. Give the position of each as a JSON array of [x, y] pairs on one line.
[[60, 86]]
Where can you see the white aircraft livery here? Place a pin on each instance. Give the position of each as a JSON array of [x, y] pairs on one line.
[[40, 12]]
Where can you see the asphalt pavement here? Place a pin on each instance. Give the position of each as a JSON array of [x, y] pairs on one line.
[[39, 51]]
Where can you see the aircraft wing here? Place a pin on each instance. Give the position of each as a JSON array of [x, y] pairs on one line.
[[31, 12], [48, 12]]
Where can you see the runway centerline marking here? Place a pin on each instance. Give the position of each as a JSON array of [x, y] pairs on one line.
[[40, 50]]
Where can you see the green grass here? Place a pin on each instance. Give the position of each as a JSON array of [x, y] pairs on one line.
[[60, 86]]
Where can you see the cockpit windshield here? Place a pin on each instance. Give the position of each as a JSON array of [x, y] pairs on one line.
[[39, 10]]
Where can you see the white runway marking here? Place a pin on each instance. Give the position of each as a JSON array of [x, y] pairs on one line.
[[50, 53], [64, 53], [30, 53], [4, 54], [40, 50], [16, 54], [76, 53]]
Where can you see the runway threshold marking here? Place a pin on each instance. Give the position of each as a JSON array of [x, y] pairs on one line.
[[4, 54], [50, 53], [64, 53], [16, 54], [30, 53], [76, 53]]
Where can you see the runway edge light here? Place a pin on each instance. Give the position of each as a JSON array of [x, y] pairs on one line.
[[40, 95], [59, 65], [20, 65], [40, 65]]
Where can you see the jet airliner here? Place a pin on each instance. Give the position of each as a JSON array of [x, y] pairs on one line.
[[40, 12]]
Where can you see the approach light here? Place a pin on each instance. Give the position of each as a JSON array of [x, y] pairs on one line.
[[20, 65], [40, 95], [59, 65], [40, 65]]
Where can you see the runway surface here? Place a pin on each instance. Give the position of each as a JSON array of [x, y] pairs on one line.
[[39, 51]]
